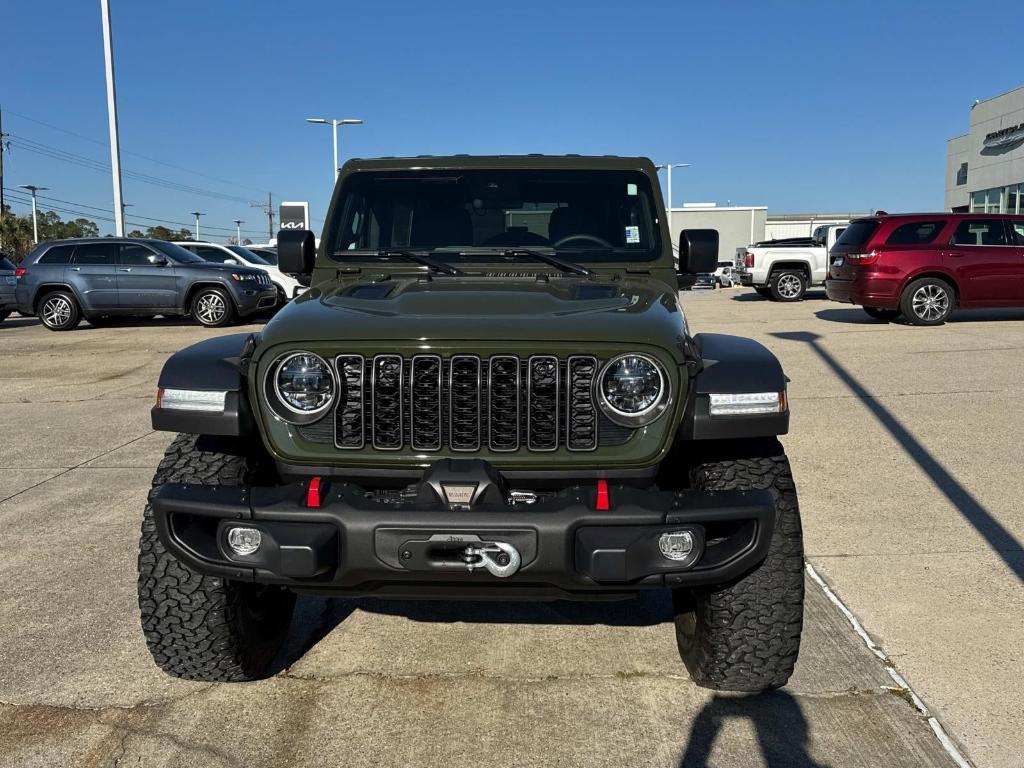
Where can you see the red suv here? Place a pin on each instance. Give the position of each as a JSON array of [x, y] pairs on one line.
[[922, 266]]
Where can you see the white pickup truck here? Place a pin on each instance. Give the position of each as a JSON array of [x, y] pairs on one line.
[[783, 270]]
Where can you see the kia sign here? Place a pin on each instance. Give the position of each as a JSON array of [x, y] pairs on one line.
[[294, 215]]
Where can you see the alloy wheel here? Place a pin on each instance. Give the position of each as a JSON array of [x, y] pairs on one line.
[[789, 286], [930, 302], [56, 311], [211, 308]]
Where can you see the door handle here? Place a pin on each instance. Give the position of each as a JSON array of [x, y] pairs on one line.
[[124, 269], [955, 254], [76, 269]]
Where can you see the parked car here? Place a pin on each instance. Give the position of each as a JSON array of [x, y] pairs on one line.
[[287, 286], [724, 277], [922, 266], [783, 270], [468, 407], [266, 252], [98, 278], [8, 302]]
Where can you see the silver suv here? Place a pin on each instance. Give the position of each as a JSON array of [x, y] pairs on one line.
[[63, 280]]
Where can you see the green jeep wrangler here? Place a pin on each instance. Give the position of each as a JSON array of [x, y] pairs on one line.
[[489, 391]]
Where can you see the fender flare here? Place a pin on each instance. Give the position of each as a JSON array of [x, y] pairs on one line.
[[732, 365], [218, 365]]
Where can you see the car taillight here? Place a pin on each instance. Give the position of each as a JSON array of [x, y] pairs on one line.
[[748, 259], [19, 272], [863, 259]]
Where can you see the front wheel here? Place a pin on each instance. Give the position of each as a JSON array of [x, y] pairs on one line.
[[204, 627], [212, 307], [787, 285], [928, 301], [745, 635]]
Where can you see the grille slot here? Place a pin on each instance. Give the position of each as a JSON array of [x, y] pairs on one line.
[[580, 414], [349, 421], [464, 403], [425, 403], [387, 409], [503, 410]]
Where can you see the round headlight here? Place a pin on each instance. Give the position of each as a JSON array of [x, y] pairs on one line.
[[304, 383], [633, 390]]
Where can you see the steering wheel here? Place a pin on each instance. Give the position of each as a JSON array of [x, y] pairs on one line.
[[590, 238]]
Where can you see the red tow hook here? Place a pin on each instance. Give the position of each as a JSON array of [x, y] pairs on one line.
[[313, 493], [603, 503]]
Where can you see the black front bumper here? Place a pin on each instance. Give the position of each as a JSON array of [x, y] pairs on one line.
[[354, 546]]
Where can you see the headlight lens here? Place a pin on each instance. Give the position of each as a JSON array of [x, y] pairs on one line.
[[245, 277], [304, 383], [633, 390]]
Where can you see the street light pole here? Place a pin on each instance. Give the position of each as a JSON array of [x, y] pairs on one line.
[[115, 146], [197, 214], [334, 123], [35, 224], [238, 231], [668, 168]]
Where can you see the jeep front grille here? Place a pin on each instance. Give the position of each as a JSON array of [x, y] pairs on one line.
[[466, 403]]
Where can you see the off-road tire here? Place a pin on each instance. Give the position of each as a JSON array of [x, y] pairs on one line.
[[763, 290], [787, 285], [879, 313], [212, 295], [204, 627], [745, 635], [66, 319], [915, 314]]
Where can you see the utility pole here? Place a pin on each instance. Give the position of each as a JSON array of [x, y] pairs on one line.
[[268, 208], [115, 146], [3, 210], [197, 214]]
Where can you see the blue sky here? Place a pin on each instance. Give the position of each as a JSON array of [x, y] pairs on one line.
[[798, 106]]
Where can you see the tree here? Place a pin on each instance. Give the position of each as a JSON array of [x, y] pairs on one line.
[[136, 233], [161, 232]]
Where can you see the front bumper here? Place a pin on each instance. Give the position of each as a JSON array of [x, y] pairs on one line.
[[249, 300], [354, 546]]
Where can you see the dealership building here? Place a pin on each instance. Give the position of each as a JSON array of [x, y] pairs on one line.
[[985, 166]]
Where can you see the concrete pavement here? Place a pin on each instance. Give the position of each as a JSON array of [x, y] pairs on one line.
[[386, 683]]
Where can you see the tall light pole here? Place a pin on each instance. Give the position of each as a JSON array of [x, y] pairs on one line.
[[35, 224], [197, 214], [668, 168], [238, 231], [334, 124], [115, 146]]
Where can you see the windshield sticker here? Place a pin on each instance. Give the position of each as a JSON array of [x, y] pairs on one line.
[[632, 235], [631, 190]]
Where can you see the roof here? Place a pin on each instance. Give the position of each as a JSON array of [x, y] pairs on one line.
[[597, 162], [935, 214]]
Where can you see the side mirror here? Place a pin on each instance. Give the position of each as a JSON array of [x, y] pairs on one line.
[[698, 251], [159, 261], [296, 251]]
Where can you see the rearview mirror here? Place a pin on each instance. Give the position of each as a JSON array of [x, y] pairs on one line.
[[296, 251]]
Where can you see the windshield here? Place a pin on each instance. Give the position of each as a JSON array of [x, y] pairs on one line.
[[268, 255], [248, 255], [176, 252], [591, 215], [5, 263]]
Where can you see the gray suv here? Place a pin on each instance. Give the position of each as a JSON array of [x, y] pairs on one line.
[[98, 278]]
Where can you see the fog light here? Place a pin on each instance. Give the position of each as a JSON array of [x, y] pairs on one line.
[[244, 541], [747, 403], [677, 545]]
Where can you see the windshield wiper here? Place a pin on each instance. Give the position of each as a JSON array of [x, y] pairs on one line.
[[419, 258], [554, 261]]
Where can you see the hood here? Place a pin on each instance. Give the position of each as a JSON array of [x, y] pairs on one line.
[[565, 309]]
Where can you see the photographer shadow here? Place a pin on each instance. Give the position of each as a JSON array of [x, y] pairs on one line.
[[776, 717]]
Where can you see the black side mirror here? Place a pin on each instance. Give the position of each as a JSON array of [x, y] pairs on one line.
[[698, 251], [296, 251]]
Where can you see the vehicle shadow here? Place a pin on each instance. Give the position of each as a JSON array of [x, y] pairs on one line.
[[777, 720], [751, 295], [315, 618], [999, 538], [859, 317], [19, 322]]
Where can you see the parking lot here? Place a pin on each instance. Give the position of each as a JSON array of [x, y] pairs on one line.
[[905, 444]]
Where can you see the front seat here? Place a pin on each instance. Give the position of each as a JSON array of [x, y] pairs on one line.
[[440, 225]]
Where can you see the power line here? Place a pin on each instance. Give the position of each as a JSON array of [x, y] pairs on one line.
[[134, 154]]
